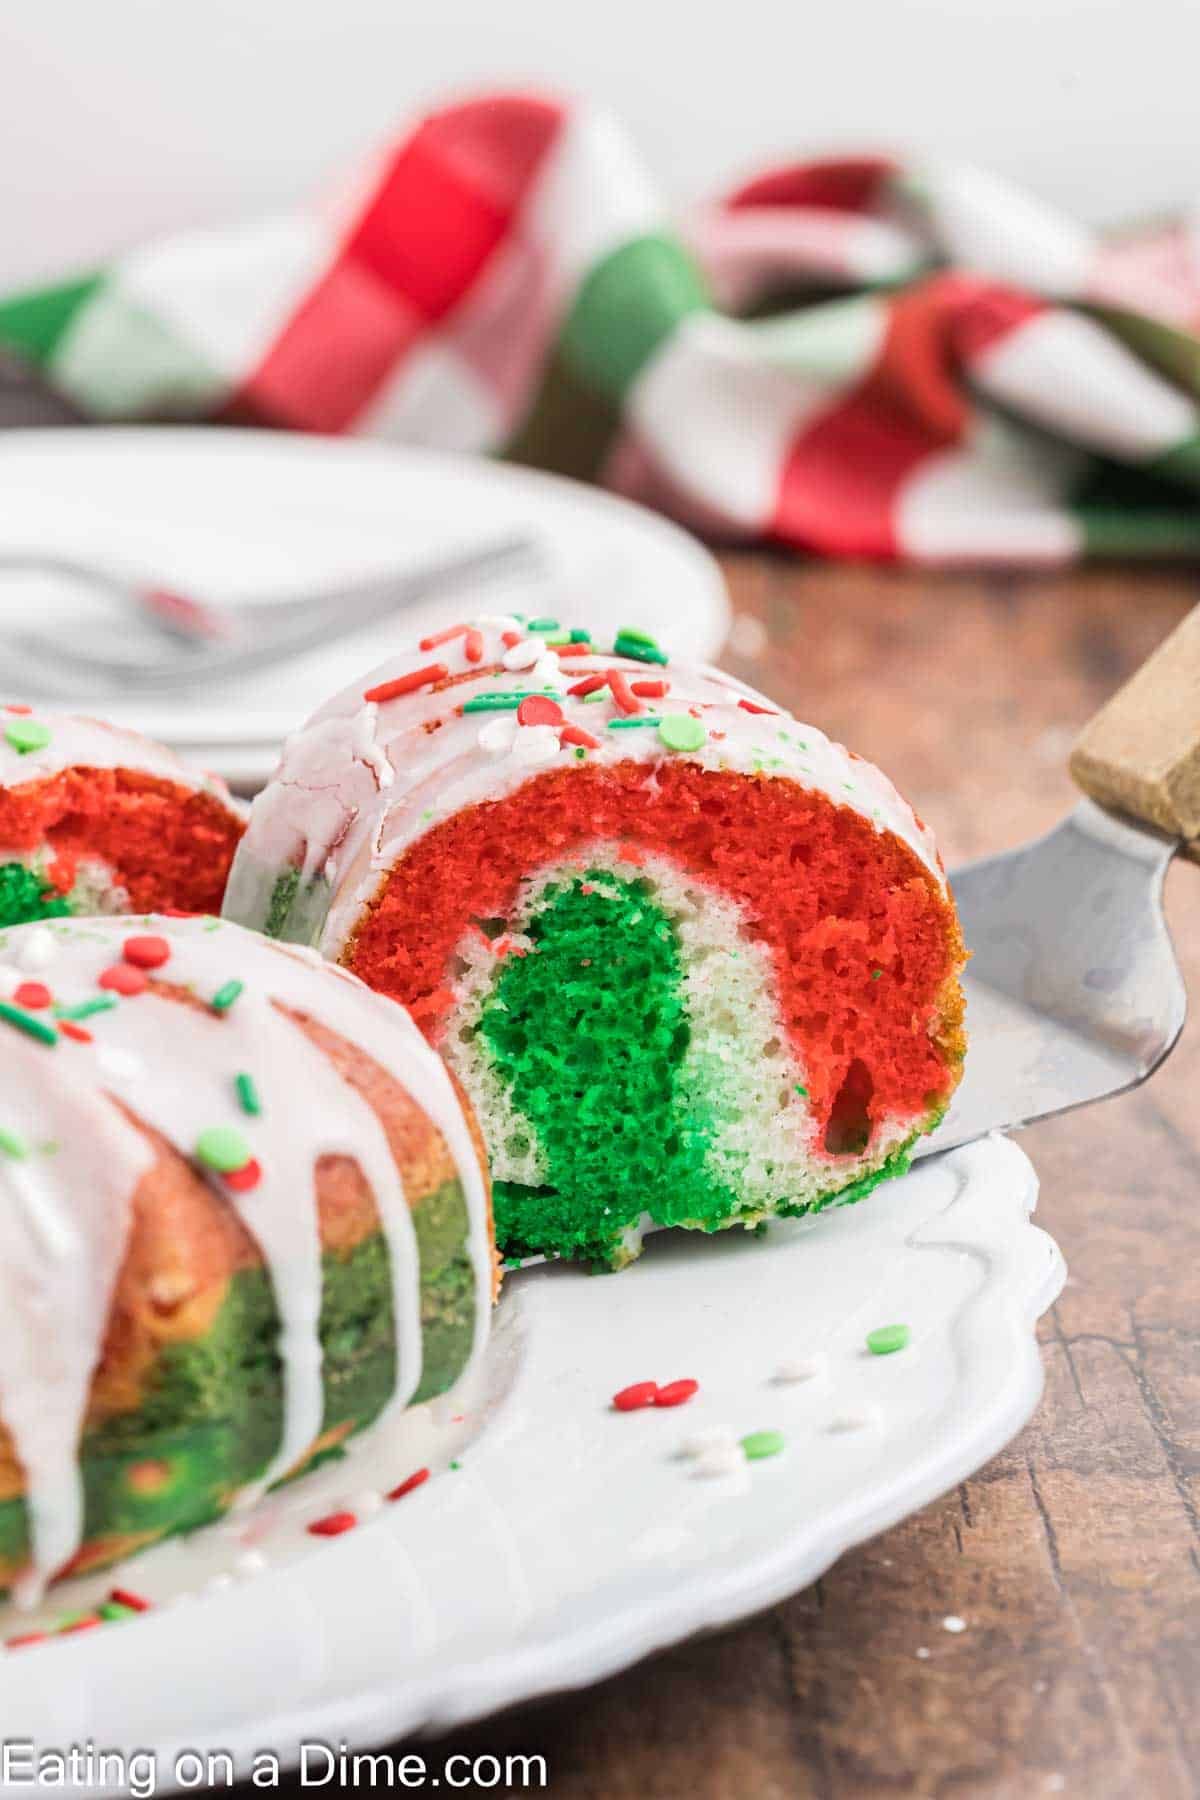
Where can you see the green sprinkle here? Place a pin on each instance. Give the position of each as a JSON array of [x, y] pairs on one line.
[[632, 724], [639, 652], [27, 734], [579, 635], [543, 625], [875, 974], [225, 995], [802, 1091], [580, 753], [637, 637], [86, 1008], [111, 1610], [887, 1339], [13, 1144], [34, 1028], [680, 731], [211, 923], [505, 702], [456, 1465], [222, 1148], [247, 1095], [597, 694], [762, 1443], [75, 1618]]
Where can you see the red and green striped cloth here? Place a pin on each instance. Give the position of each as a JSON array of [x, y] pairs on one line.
[[856, 358]]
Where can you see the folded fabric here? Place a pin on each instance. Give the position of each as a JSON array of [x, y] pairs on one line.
[[855, 358]]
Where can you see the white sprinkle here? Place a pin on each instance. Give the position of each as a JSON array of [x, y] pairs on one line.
[[802, 1368], [122, 1065], [923, 1653], [535, 744], [37, 950], [523, 655], [710, 1437], [720, 1459], [952, 1622], [498, 734], [496, 622], [854, 1421], [250, 1562], [548, 672]]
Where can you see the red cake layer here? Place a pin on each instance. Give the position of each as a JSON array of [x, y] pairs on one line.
[[167, 844], [865, 946]]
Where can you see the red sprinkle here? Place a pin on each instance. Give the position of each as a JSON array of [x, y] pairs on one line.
[[589, 685], [33, 994], [575, 734], [146, 952], [70, 1029], [85, 1624], [122, 978], [510, 638], [675, 1393], [749, 706], [415, 1480], [22, 712], [473, 648], [650, 690], [333, 1524], [571, 649], [126, 1597], [26, 1637], [622, 693], [407, 684], [444, 637], [631, 1399], [536, 709], [242, 1180]]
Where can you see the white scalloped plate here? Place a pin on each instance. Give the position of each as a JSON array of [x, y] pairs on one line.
[[573, 1539]]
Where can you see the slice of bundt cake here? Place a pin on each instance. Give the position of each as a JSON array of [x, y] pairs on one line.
[[98, 820], [243, 1214], [692, 962]]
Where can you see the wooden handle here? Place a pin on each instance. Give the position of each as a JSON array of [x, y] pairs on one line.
[[1141, 753]]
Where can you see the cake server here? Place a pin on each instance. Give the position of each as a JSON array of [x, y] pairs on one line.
[[1073, 990]]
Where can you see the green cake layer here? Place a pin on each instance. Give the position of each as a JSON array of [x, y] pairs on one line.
[[212, 1409]]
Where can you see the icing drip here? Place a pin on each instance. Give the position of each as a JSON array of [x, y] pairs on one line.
[[172, 1064]]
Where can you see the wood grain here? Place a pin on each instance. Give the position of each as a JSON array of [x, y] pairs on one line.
[[1075, 1556]]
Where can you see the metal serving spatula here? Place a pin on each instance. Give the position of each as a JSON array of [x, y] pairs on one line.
[[1073, 991]]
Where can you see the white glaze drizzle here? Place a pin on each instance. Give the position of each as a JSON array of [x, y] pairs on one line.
[[362, 780], [79, 743], [64, 1217]]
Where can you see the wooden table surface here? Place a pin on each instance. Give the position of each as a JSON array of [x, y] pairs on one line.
[[1075, 1556]]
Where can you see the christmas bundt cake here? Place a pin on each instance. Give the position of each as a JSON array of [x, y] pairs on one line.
[[242, 1215], [693, 963], [94, 819]]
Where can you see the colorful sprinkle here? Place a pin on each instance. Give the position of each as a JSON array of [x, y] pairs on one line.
[[751, 706], [638, 650], [24, 1638], [86, 1008], [123, 978], [243, 1180], [650, 690], [758, 1444], [248, 1096], [537, 709], [636, 636], [112, 1610], [575, 734], [503, 702], [633, 1398], [444, 637], [33, 994], [333, 1524], [802, 1091], [13, 1144], [622, 693], [544, 625], [146, 952], [590, 684], [416, 1480], [406, 684], [79, 1034], [885, 1340], [675, 1393], [26, 1022], [223, 1148], [473, 648], [633, 724], [26, 735], [679, 731], [126, 1597], [226, 994]]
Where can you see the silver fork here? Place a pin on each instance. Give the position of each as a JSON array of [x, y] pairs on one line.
[[265, 635]]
